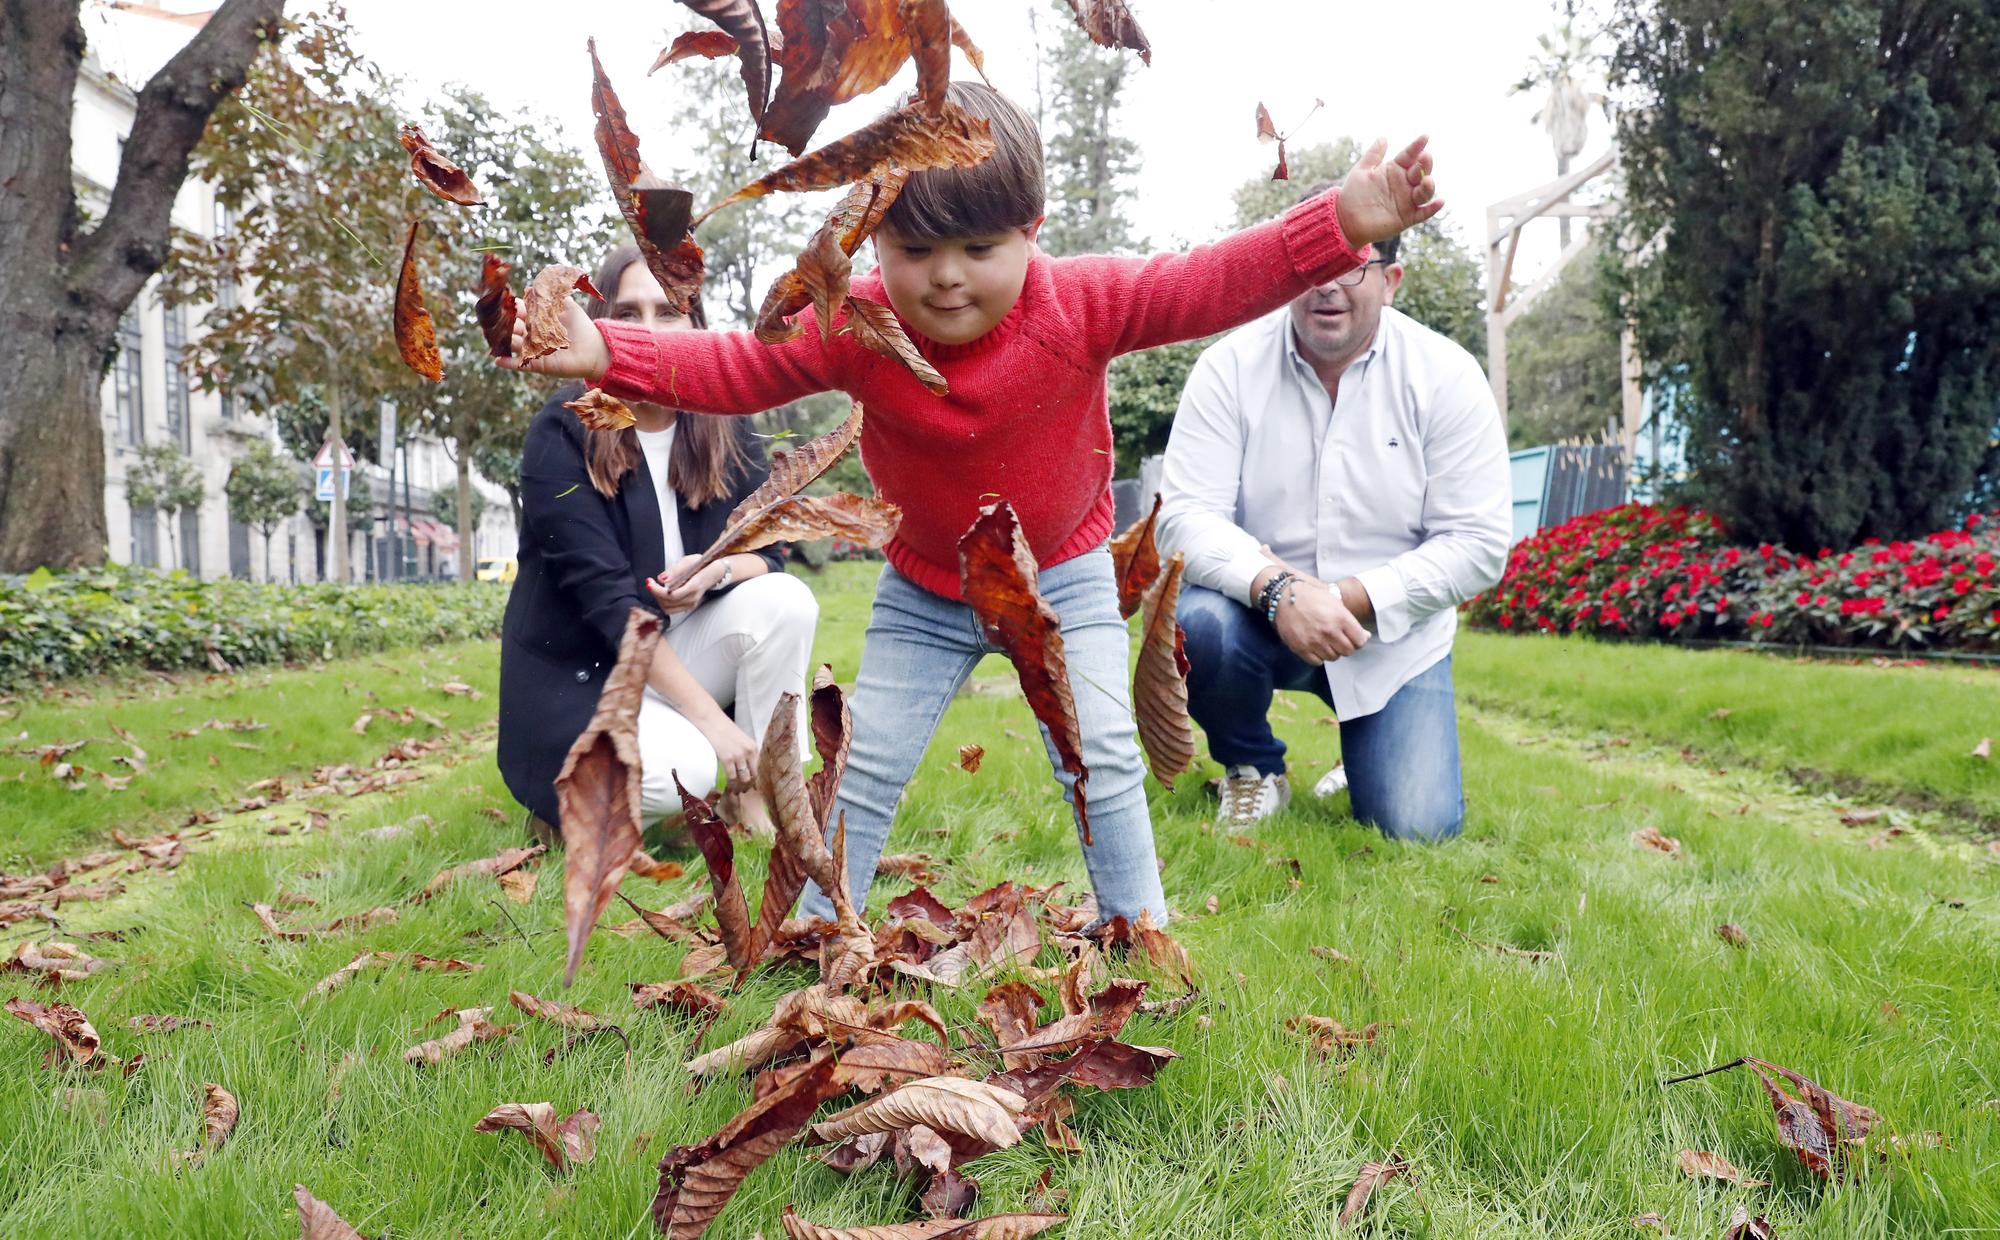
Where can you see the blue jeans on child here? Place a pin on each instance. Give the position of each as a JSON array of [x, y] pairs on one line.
[[1402, 761], [920, 649]]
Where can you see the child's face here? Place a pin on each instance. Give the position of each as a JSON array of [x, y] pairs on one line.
[[954, 289]]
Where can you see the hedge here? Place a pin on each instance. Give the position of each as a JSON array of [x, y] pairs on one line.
[[1673, 573], [90, 621]]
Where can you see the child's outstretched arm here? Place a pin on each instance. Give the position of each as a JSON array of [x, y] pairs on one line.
[[699, 371], [1170, 297]]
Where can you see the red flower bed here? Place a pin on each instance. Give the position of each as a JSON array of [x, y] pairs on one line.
[[1642, 571]]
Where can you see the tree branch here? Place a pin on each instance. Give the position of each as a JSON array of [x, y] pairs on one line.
[[114, 261]]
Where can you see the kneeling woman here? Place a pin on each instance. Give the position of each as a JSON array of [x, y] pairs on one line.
[[603, 513]]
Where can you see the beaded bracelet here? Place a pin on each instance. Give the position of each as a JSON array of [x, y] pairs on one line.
[[1272, 594]]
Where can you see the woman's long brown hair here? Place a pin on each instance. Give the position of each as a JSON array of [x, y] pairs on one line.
[[707, 455]]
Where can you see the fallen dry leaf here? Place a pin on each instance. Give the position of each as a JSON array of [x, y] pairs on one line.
[[564, 1014], [1984, 749], [1650, 1219], [1159, 681], [993, 1227], [74, 1035], [1372, 1176], [1109, 23], [1732, 934], [1819, 1126], [436, 173], [505, 862], [1650, 837], [150, 1023], [598, 789], [317, 1220], [416, 336], [945, 1103], [696, 1181], [473, 1027], [519, 885], [55, 962], [1700, 1164], [1742, 1226], [999, 576], [969, 758], [598, 410], [572, 1139], [219, 1113]]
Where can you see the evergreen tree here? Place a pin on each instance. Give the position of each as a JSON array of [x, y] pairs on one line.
[[444, 506], [1088, 163], [1821, 180]]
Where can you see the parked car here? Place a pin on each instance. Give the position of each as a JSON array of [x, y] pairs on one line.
[[497, 568]]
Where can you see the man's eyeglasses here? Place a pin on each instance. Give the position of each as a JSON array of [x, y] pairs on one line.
[[1353, 278]]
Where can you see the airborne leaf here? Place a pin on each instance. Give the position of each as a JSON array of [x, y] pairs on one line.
[[416, 337], [1109, 23], [742, 21], [436, 173], [542, 309], [598, 410], [708, 44], [999, 577], [663, 237], [1135, 561], [598, 789], [877, 329], [496, 309], [908, 137], [732, 913], [792, 471], [1159, 681]]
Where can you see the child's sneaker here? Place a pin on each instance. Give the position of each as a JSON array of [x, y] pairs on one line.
[[1333, 783], [1248, 798]]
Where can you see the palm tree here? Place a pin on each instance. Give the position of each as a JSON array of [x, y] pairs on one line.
[[1565, 69]]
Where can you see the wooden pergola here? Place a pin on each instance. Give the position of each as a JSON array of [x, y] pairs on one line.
[[1504, 221]]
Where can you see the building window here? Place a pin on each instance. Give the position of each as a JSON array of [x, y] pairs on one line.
[[180, 426], [191, 541], [145, 535], [128, 380], [228, 406]]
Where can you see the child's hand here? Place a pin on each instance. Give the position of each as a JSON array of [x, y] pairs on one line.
[[1379, 200], [586, 358]]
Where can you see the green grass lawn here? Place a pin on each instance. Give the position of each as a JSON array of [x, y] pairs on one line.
[[1525, 1094]]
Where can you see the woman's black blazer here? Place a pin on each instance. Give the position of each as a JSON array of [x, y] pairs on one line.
[[582, 566]]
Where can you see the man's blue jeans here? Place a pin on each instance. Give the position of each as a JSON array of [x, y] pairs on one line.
[[920, 649], [1402, 761]]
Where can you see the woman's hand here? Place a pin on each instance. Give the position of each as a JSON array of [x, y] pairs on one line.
[[1379, 200], [732, 745], [586, 357], [688, 595]]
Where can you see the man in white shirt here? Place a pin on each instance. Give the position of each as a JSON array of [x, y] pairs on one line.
[[1337, 478]]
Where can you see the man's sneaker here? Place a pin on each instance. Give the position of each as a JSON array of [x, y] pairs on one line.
[[1248, 798], [1333, 783]]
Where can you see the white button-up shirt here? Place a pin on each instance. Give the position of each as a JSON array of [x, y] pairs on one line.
[[1401, 483]]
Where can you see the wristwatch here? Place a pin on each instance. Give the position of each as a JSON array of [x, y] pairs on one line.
[[728, 575]]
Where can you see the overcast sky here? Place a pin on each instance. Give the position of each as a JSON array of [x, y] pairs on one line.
[[1442, 69]]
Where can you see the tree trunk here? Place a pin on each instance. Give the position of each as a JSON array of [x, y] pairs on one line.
[[62, 288], [465, 530], [1562, 222], [336, 521]]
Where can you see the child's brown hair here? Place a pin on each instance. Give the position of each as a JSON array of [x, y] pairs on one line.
[[992, 196]]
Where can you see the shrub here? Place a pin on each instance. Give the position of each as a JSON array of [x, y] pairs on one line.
[[1641, 571], [111, 619]]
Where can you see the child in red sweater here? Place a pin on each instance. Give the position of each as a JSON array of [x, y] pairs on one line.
[[1024, 342]]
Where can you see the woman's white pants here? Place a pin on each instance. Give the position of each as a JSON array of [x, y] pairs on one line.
[[748, 648]]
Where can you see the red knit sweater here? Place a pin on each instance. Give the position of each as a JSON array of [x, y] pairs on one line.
[[1026, 419]]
